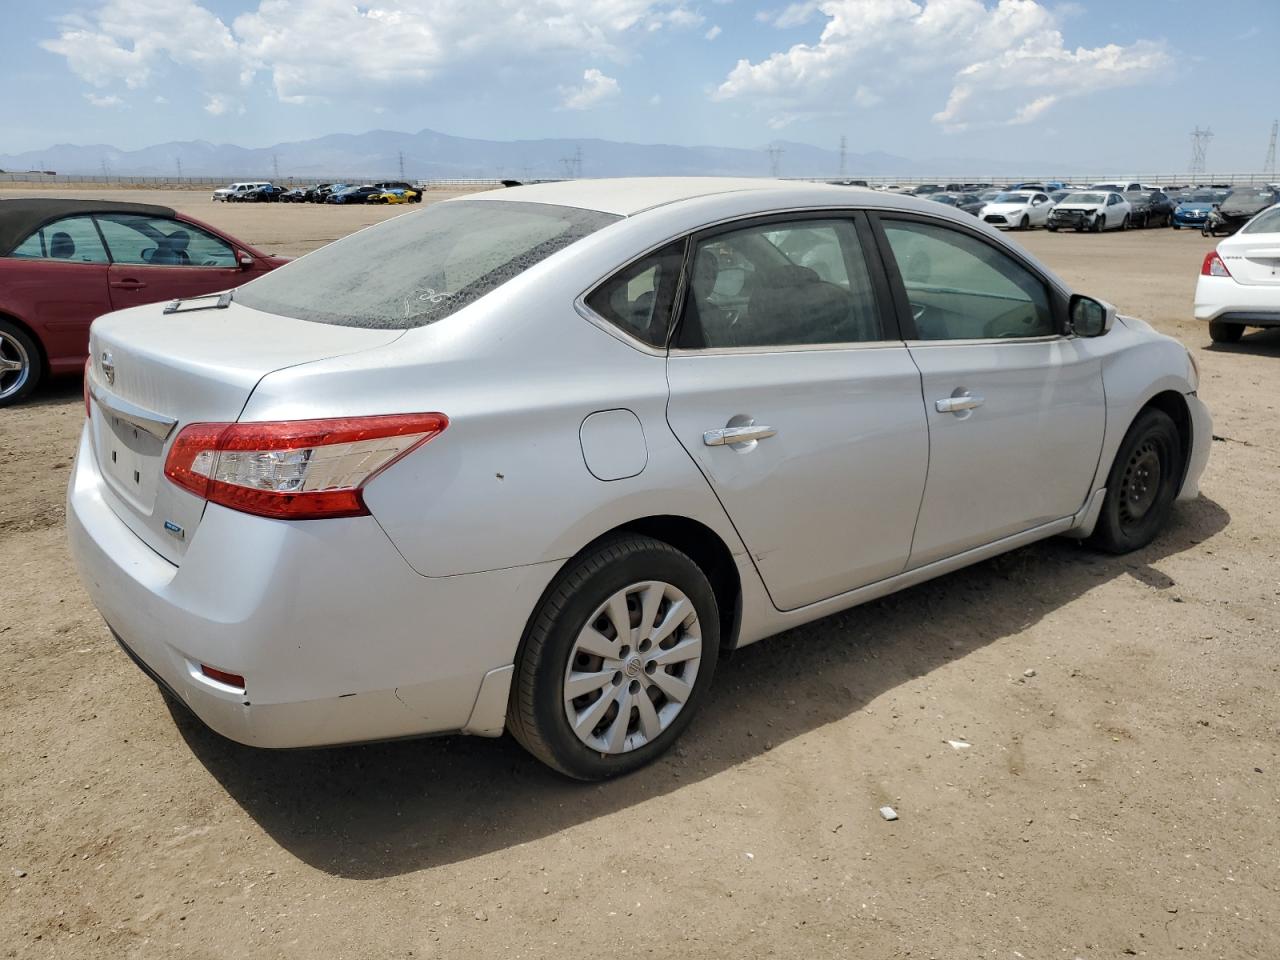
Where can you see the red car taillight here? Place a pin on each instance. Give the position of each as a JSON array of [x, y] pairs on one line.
[[1213, 266], [295, 469]]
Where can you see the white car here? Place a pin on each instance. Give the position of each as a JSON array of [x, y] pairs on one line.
[[531, 459], [1018, 209], [235, 191], [1094, 210], [1239, 283]]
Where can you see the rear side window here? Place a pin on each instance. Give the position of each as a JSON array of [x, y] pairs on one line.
[[71, 238], [1266, 222], [158, 242], [418, 268], [639, 298]]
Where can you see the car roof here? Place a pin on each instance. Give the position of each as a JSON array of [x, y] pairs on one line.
[[626, 196], [21, 217]]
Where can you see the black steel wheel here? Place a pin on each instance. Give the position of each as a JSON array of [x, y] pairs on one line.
[[1141, 485]]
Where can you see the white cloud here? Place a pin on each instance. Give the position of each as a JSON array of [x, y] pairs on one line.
[[111, 100], [595, 88], [320, 49], [713, 32], [1004, 63]]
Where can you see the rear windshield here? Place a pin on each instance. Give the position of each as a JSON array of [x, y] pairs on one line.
[[418, 268], [1266, 222]]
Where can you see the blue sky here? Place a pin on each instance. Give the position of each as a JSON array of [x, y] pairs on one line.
[[1104, 83]]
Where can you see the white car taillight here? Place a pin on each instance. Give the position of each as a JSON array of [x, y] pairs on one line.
[[295, 469]]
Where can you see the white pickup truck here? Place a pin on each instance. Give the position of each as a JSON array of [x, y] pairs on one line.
[[237, 190]]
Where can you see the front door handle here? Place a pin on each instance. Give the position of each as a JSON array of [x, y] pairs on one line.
[[128, 284], [958, 404], [730, 435]]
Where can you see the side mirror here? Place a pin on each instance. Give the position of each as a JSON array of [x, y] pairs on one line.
[[245, 261], [1090, 317]]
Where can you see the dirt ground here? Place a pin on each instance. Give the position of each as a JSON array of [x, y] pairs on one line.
[[1121, 801]]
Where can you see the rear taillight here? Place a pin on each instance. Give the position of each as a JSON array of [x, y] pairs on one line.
[[87, 364], [295, 469], [1213, 266]]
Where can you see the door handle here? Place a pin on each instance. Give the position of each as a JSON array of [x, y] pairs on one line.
[[128, 284], [958, 404], [730, 435]]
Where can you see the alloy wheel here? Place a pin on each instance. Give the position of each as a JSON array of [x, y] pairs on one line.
[[15, 365], [633, 667]]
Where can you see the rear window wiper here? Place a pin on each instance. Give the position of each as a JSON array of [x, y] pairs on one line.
[[220, 302]]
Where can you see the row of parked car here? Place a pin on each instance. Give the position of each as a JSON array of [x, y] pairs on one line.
[[1119, 205], [261, 191]]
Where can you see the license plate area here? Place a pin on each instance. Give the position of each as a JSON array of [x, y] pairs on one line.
[[130, 459]]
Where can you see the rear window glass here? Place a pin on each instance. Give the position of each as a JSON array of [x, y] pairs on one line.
[[1266, 222], [418, 268]]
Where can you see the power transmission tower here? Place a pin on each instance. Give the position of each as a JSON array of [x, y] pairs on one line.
[[103, 164], [775, 159], [573, 165], [1269, 165], [275, 165], [401, 164], [1199, 147], [178, 160], [844, 152]]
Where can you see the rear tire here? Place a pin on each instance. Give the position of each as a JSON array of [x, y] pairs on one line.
[[1220, 332], [636, 577], [21, 364], [1142, 484]]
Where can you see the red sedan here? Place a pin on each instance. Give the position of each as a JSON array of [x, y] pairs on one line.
[[65, 262]]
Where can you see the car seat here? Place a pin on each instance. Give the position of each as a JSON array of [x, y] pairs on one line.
[[61, 246]]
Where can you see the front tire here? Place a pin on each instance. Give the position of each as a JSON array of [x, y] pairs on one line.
[[1025, 224], [1100, 224], [616, 660], [1220, 332], [1142, 484], [21, 364]]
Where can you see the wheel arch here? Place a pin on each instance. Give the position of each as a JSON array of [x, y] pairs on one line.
[[699, 542], [41, 351], [1175, 405]]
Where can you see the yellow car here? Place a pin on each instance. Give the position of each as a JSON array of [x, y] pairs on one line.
[[393, 196]]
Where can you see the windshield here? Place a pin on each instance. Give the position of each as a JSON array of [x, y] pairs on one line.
[[1085, 198], [1266, 222], [1253, 195], [946, 198], [419, 268], [1206, 196], [1013, 198]]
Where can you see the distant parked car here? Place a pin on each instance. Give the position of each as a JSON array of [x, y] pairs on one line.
[[65, 262], [393, 196], [296, 195], [267, 193], [968, 202], [1018, 210], [388, 186], [352, 194], [1094, 210], [1149, 208], [1193, 209], [1123, 186], [924, 189], [320, 191], [834, 183], [1239, 208], [236, 191], [1239, 284]]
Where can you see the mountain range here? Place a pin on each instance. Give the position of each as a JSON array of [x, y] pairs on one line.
[[430, 154]]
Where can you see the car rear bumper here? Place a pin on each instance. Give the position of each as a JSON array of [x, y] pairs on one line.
[[1225, 299], [338, 639]]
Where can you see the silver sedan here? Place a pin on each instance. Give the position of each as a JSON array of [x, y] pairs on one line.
[[532, 459]]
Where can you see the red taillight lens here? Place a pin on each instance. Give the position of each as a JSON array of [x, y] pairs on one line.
[[1213, 266], [87, 364], [295, 469]]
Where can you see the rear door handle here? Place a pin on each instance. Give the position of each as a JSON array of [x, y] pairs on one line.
[[128, 284], [730, 435], [958, 404]]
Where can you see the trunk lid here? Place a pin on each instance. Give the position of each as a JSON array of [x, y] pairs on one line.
[[152, 373], [1252, 258]]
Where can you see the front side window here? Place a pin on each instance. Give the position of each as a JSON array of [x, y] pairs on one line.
[[962, 288], [74, 239], [419, 268], [639, 298], [796, 283], [159, 242]]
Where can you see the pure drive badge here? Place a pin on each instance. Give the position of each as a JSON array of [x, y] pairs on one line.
[[173, 528]]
